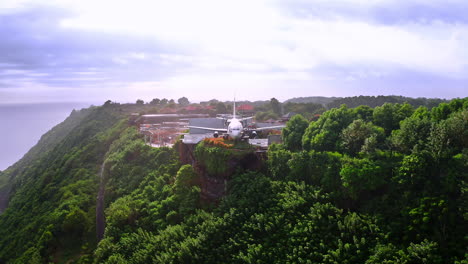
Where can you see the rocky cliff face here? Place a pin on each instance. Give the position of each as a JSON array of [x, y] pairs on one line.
[[217, 167]]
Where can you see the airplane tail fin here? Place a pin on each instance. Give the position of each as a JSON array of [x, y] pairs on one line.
[[234, 109]]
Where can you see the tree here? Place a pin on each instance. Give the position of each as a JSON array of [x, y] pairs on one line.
[[164, 101], [413, 133], [449, 136], [185, 178], [360, 175], [183, 101], [389, 115], [293, 132], [277, 161], [364, 112], [262, 116], [355, 135], [155, 101], [172, 104], [444, 110], [221, 108], [275, 106], [140, 102], [324, 134]]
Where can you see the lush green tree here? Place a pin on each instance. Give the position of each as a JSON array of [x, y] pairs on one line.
[[275, 106], [324, 134], [389, 115], [186, 192], [164, 101], [444, 110], [155, 101], [171, 104], [355, 136], [293, 132], [457, 126], [183, 101], [361, 175], [413, 133], [424, 252], [277, 161], [375, 101], [364, 112], [140, 102], [262, 116], [317, 168], [221, 108]]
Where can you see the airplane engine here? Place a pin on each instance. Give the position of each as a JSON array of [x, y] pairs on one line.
[[216, 134], [253, 134]]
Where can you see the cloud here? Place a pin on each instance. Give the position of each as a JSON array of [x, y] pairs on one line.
[[132, 49], [38, 53], [380, 11], [261, 34]]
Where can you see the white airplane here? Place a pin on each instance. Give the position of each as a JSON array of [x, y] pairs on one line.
[[235, 128]]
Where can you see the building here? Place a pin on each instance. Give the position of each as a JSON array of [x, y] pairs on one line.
[[245, 109], [205, 122]]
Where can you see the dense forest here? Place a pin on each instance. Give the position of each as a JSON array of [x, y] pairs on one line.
[[355, 185], [374, 101]]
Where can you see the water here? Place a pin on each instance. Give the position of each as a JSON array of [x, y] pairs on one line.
[[22, 125]]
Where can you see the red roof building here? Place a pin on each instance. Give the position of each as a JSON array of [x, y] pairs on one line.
[[191, 108], [245, 108]]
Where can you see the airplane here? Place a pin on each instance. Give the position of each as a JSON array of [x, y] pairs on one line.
[[235, 128]]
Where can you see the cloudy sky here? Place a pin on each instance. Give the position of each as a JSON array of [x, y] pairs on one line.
[[91, 51]]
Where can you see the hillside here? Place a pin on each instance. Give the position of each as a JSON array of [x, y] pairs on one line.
[[312, 99], [359, 185], [374, 101]]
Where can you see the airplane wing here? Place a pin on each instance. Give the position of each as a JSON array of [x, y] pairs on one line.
[[246, 118], [210, 128], [270, 127]]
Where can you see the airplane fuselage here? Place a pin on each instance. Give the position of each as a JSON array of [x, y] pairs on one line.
[[235, 128]]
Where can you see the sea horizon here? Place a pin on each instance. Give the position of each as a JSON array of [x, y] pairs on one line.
[[23, 124]]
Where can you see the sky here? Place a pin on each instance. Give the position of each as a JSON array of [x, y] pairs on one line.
[[92, 51]]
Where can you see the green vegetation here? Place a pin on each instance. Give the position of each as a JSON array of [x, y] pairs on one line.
[[216, 160], [51, 211], [374, 101], [358, 185]]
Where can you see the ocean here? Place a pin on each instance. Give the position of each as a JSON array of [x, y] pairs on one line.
[[22, 125]]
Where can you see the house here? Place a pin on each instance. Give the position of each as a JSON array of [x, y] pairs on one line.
[[245, 109]]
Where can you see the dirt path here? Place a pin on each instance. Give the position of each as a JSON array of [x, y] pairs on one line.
[[100, 218]]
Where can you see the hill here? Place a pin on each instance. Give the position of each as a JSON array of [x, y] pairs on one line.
[[374, 101], [312, 99], [358, 185]]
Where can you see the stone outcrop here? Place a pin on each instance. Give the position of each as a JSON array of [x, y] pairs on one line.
[[215, 185]]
